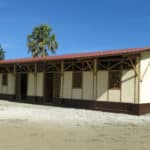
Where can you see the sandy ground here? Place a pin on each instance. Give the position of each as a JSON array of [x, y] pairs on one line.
[[29, 127]]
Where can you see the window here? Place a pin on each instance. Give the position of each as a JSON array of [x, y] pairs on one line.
[[77, 80], [4, 79], [114, 79]]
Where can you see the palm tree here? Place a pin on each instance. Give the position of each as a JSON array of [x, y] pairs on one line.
[[2, 53], [41, 40]]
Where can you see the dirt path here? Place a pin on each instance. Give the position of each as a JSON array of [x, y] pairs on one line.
[[29, 127]]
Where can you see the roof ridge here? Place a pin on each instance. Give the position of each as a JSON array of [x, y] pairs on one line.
[[76, 55]]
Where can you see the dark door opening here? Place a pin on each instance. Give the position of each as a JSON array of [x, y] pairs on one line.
[[52, 86], [23, 86], [49, 87], [56, 85]]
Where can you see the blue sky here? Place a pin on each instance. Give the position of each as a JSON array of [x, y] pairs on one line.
[[80, 25]]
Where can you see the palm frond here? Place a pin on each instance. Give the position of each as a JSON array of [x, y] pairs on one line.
[[41, 40]]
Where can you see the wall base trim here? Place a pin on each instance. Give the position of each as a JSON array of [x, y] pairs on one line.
[[34, 99], [144, 108], [117, 107], [7, 96]]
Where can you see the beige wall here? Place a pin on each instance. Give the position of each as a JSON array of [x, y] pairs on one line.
[[10, 88], [125, 94], [31, 84], [114, 95], [35, 84], [4, 89], [102, 85], [145, 83], [95, 86], [85, 93], [61, 85], [11, 83], [88, 85], [32, 81], [31, 91], [76, 93], [128, 86], [67, 86], [39, 84]]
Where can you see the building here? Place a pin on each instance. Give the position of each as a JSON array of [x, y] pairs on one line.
[[115, 81]]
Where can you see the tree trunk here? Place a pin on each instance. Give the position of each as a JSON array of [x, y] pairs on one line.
[[43, 52]]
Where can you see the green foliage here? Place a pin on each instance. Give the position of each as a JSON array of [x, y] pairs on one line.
[[41, 40], [2, 53]]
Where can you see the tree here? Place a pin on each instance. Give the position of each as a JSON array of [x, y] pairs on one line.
[[41, 40], [2, 53]]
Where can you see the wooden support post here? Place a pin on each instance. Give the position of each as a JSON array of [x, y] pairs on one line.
[[14, 69], [133, 66], [121, 63], [95, 79], [62, 67], [62, 79], [44, 82], [137, 82], [15, 82], [35, 79], [19, 86], [108, 69], [95, 66], [18, 83], [89, 66]]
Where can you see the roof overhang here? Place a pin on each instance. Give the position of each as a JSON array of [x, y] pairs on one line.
[[108, 53]]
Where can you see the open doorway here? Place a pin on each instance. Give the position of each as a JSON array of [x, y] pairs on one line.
[[23, 86], [49, 87], [52, 86]]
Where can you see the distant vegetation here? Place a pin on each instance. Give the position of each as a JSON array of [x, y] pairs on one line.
[[41, 40], [2, 53]]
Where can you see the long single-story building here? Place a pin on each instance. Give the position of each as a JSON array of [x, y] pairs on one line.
[[115, 81]]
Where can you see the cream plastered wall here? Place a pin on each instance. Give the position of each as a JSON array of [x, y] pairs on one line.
[[39, 84], [85, 93], [61, 85], [10, 88], [35, 84], [31, 84], [76, 93], [88, 85], [4, 89], [114, 95], [128, 86], [67, 84], [11, 83], [145, 81], [102, 86], [125, 94], [103, 93]]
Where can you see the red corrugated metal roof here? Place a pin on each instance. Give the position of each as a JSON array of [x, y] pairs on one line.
[[76, 56]]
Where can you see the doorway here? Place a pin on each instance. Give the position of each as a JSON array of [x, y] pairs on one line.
[[49, 87], [52, 86], [23, 86]]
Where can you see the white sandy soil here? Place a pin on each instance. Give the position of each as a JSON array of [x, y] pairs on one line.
[[29, 127]]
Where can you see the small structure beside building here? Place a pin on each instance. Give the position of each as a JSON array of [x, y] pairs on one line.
[[114, 81]]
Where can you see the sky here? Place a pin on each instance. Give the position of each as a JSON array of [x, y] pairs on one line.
[[79, 25]]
